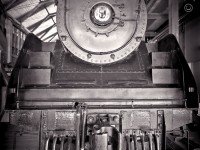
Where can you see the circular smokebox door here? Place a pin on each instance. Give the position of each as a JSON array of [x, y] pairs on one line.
[[101, 32]]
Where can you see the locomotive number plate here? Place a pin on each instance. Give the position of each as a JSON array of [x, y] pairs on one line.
[[64, 120]]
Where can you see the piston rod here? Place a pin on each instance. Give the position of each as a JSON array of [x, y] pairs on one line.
[[69, 142], [128, 142], [62, 143], [150, 141], [78, 120], [83, 130], [54, 142], [142, 141], [157, 138], [119, 141], [47, 143], [135, 141]]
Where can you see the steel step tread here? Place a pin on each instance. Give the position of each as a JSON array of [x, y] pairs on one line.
[[35, 76], [165, 76], [38, 59], [161, 59]]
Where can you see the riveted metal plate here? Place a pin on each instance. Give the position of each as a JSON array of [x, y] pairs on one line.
[[161, 59], [165, 76], [181, 117], [61, 120], [35, 76], [26, 119], [27, 141], [133, 119], [48, 46], [152, 47], [101, 93], [39, 59]]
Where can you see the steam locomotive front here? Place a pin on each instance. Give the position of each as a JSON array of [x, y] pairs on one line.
[[99, 87]]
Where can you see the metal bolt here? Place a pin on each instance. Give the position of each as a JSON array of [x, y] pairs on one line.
[[63, 37], [104, 119], [90, 119], [44, 113], [96, 34], [116, 119], [89, 56], [87, 146], [87, 29], [44, 126], [112, 56], [121, 23], [96, 127], [138, 39]]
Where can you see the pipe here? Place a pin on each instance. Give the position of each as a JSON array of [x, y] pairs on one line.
[[62, 143], [119, 141], [69, 141], [188, 140], [78, 120], [47, 143], [150, 141], [142, 141], [128, 142], [83, 130], [157, 141], [54, 142], [135, 141]]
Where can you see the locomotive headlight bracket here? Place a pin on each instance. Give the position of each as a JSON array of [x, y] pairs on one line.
[[100, 18], [102, 14]]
